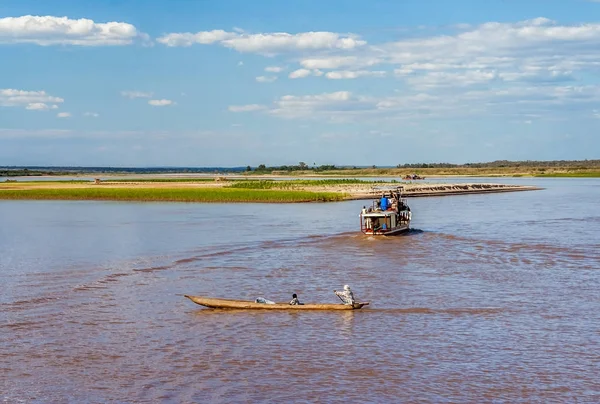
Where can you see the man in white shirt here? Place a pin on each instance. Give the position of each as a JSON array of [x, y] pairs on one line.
[[346, 295]]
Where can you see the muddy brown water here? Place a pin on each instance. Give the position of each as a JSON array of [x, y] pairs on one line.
[[489, 298]]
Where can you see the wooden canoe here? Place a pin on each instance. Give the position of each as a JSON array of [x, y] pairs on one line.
[[245, 304]]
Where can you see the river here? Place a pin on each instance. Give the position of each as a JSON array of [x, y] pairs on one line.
[[489, 298]]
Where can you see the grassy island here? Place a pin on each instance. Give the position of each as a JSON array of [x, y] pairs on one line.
[[219, 189]]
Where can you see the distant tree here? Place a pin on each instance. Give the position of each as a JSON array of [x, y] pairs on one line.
[[374, 166], [248, 168], [302, 165], [261, 167]]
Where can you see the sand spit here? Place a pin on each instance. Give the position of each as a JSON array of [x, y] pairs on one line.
[[350, 191], [417, 190]]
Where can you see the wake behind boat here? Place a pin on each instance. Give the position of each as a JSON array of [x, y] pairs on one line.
[[216, 303]]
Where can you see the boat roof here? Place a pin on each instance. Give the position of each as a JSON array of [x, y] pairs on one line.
[[385, 213]]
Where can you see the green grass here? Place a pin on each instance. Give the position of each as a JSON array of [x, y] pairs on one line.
[[20, 183], [592, 174], [170, 195], [272, 184], [160, 180], [121, 180]]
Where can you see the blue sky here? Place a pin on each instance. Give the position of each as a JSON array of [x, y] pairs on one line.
[[232, 83]]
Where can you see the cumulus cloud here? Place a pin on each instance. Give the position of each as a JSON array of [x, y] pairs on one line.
[[160, 103], [266, 79], [63, 115], [266, 43], [50, 30], [136, 94], [531, 51], [246, 108], [538, 50], [32, 100]]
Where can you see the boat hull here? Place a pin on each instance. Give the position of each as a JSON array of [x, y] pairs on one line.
[[393, 232], [215, 303]]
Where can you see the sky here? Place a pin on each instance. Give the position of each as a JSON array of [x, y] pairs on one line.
[[234, 83]]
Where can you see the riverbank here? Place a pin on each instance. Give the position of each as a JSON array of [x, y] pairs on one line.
[[228, 190]]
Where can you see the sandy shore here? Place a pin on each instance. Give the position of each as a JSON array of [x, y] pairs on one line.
[[361, 191]]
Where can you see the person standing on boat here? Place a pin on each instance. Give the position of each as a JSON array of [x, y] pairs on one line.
[[346, 295], [295, 301], [384, 202]]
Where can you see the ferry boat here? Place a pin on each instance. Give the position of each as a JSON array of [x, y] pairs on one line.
[[387, 216]]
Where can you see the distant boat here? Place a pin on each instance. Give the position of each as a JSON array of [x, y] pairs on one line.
[[246, 304], [387, 216]]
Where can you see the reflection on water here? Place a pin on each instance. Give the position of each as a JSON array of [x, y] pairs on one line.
[[490, 297]]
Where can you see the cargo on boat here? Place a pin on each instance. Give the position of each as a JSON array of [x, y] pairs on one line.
[[388, 216], [216, 303]]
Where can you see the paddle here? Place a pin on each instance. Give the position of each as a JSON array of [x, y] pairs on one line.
[[343, 301]]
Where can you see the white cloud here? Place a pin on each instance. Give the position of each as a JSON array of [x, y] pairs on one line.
[[520, 102], [266, 79], [160, 103], [50, 30], [300, 73], [189, 39], [40, 106], [63, 115], [246, 108], [136, 94], [440, 79], [348, 74], [33, 100], [267, 43], [537, 50], [91, 114], [274, 69], [335, 62], [325, 104]]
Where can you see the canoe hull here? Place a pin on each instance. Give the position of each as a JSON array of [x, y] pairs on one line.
[[215, 303]]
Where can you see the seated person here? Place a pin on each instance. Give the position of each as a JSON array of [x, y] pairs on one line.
[[375, 225], [295, 301], [346, 295]]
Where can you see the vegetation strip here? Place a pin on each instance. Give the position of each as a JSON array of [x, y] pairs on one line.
[[276, 184], [593, 174], [170, 195]]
